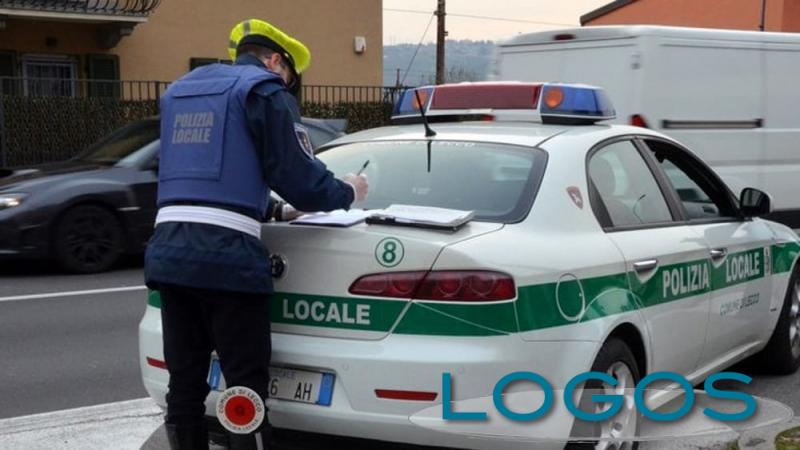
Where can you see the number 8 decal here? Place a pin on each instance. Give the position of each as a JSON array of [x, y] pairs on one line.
[[389, 252]]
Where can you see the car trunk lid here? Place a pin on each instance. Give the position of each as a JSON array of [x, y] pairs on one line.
[[321, 263]]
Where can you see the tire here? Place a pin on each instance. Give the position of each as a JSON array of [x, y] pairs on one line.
[[781, 356], [614, 356], [87, 239]]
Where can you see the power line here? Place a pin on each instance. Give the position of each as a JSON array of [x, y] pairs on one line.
[[413, 11], [472, 16], [426, 72], [402, 82], [506, 19]]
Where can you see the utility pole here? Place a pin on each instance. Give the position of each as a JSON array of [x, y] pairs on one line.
[[3, 145], [763, 25], [440, 35]]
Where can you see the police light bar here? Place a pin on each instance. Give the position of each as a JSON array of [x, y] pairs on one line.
[[532, 102]]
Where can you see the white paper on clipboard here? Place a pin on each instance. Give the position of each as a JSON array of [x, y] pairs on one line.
[[338, 218], [423, 215]]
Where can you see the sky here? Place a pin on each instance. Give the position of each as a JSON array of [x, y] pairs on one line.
[[501, 19]]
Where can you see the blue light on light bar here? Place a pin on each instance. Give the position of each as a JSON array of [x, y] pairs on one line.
[[408, 105], [570, 104], [577, 102]]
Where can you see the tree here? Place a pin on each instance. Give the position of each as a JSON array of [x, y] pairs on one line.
[[453, 75]]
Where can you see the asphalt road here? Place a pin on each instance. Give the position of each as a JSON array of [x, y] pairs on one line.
[[59, 352], [69, 351]]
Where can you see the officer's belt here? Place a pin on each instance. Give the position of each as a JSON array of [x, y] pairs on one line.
[[210, 216]]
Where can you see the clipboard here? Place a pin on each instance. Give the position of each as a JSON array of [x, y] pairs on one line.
[[339, 218], [376, 220], [421, 217]]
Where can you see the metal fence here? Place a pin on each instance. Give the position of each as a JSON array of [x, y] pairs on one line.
[[71, 88], [119, 7], [349, 94], [50, 119]]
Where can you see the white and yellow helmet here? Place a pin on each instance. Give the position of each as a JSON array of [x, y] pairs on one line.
[[259, 32]]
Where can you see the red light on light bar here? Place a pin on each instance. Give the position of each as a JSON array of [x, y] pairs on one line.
[[554, 97], [158, 364], [486, 96], [406, 395], [420, 99], [637, 120]]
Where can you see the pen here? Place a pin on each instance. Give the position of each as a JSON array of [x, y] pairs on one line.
[[366, 163]]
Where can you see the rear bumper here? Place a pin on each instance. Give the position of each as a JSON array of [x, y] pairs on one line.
[[401, 362], [299, 440]]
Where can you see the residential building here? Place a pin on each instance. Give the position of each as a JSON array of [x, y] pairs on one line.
[[769, 15], [163, 39]]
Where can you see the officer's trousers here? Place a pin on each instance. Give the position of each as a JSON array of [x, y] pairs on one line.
[[197, 321]]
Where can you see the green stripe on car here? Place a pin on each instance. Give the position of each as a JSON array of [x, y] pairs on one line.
[[336, 312], [537, 307], [154, 299], [784, 256]]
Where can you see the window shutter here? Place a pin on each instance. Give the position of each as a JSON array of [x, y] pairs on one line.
[[8, 68], [106, 68]]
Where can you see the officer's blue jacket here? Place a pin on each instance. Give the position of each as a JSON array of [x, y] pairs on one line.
[[211, 257], [207, 151]]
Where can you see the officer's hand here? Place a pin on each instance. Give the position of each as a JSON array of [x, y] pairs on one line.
[[289, 213], [360, 186], [282, 211]]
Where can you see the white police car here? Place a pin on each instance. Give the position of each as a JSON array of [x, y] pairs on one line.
[[593, 247]]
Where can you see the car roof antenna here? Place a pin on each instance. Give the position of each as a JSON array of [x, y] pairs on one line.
[[429, 133]]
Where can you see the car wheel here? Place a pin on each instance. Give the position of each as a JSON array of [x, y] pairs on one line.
[[616, 359], [87, 239], [782, 353]]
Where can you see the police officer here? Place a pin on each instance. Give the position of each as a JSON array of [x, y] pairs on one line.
[[229, 134]]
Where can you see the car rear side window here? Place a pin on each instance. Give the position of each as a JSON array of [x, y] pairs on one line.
[[626, 186], [702, 194], [497, 181]]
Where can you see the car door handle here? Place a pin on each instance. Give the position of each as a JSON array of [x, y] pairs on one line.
[[645, 265], [719, 253]]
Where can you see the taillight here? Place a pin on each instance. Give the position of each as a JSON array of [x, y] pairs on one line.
[[393, 284], [467, 286], [444, 285], [157, 363], [391, 394], [637, 120]]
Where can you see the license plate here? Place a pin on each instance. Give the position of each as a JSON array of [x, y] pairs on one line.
[[301, 385], [287, 384]]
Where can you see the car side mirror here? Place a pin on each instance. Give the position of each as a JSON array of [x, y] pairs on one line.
[[152, 165], [755, 203]]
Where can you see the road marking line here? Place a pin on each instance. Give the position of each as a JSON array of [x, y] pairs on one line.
[[142, 407], [72, 293], [121, 425]]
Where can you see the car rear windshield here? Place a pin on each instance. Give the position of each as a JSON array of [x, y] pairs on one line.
[[497, 181]]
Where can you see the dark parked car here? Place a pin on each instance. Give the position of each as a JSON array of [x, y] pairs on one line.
[[88, 211]]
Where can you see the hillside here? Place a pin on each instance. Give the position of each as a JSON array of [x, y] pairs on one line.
[[465, 61]]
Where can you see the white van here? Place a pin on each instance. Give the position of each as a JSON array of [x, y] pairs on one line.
[[731, 96]]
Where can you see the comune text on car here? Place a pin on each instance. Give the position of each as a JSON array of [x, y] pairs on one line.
[[593, 247], [89, 210]]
